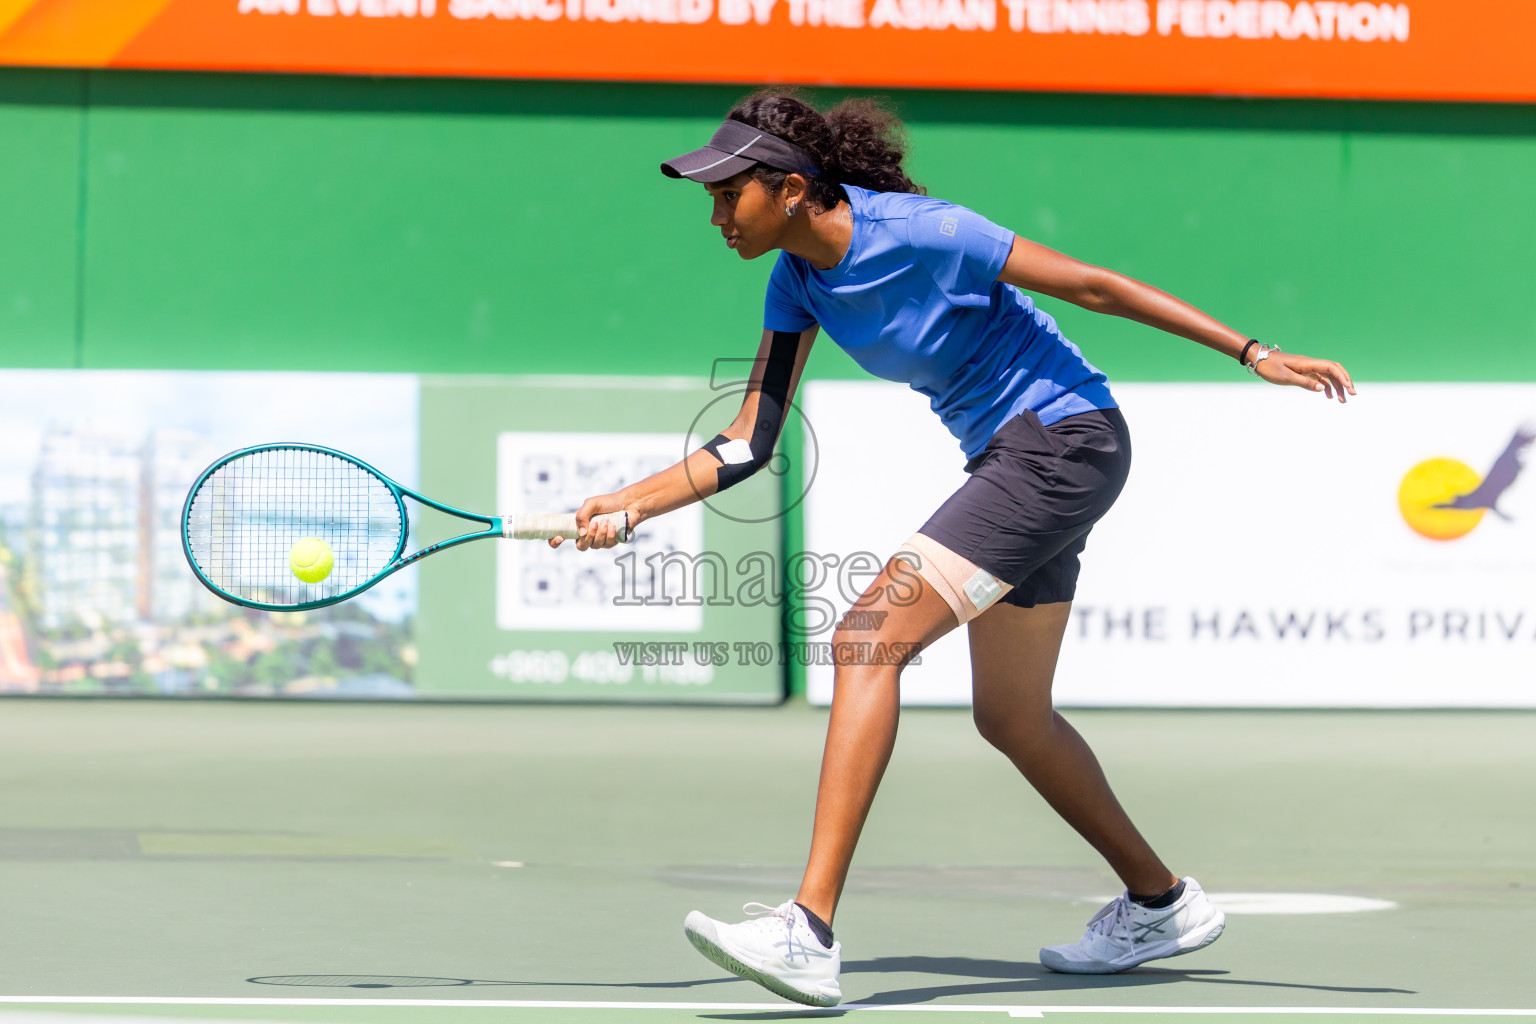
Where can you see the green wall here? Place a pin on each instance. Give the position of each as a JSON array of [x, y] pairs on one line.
[[41, 125], [224, 221]]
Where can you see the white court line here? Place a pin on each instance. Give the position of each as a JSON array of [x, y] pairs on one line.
[[574, 1004]]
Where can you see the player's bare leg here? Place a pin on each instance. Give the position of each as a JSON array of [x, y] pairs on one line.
[[789, 949], [1013, 661], [862, 730]]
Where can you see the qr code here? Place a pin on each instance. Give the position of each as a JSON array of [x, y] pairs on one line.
[[544, 588]]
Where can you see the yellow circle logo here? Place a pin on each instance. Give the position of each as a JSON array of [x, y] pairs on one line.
[[1436, 482]]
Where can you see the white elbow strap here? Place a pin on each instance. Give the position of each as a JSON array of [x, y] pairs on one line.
[[734, 452], [967, 588]]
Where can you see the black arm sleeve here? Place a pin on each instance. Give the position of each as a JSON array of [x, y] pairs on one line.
[[739, 459]]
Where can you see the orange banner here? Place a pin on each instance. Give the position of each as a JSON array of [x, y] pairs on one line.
[[1420, 49]]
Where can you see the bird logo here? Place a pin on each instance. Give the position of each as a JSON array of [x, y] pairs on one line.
[[1444, 499]]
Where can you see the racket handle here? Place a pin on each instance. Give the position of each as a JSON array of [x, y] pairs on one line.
[[560, 524]]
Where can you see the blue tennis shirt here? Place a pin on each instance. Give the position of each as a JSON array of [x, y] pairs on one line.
[[916, 300]]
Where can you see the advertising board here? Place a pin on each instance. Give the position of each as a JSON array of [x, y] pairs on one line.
[[1271, 548], [96, 597], [1417, 49]]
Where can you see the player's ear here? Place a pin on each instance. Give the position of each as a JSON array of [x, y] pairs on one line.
[[794, 190]]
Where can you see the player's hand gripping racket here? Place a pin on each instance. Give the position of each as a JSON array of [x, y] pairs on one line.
[[260, 522]]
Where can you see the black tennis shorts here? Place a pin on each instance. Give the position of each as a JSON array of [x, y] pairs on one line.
[[1034, 493]]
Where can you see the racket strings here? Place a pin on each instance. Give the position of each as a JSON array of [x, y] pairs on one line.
[[247, 515]]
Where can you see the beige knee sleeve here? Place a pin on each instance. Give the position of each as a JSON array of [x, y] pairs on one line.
[[968, 589]]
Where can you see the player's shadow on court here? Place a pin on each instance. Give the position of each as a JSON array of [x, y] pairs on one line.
[[398, 981], [1031, 977], [1008, 977], [996, 977]]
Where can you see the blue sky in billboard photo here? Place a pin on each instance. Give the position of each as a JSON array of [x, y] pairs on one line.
[[372, 416]]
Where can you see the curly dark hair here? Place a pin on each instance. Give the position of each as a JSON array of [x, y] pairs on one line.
[[859, 142]]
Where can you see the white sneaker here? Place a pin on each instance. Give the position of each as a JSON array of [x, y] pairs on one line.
[[776, 949], [1125, 934]]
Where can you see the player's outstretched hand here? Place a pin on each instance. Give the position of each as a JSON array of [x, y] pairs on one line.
[[601, 534], [1305, 372]]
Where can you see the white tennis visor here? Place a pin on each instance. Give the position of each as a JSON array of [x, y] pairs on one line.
[[734, 148]]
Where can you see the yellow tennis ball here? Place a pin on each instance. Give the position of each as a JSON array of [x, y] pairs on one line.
[[311, 559]]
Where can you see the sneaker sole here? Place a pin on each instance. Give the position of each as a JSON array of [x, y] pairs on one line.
[[1212, 931], [718, 956]]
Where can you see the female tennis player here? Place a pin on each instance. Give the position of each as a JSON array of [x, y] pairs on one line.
[[925, 292]]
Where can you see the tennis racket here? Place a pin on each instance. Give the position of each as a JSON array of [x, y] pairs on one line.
[[247, 510]]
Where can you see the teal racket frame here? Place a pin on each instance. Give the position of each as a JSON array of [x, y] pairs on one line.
[[493, 524]]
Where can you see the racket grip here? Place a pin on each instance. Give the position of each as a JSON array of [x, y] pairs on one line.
[[534, 526]]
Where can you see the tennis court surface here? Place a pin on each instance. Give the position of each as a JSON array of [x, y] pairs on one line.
[[469, 864]]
